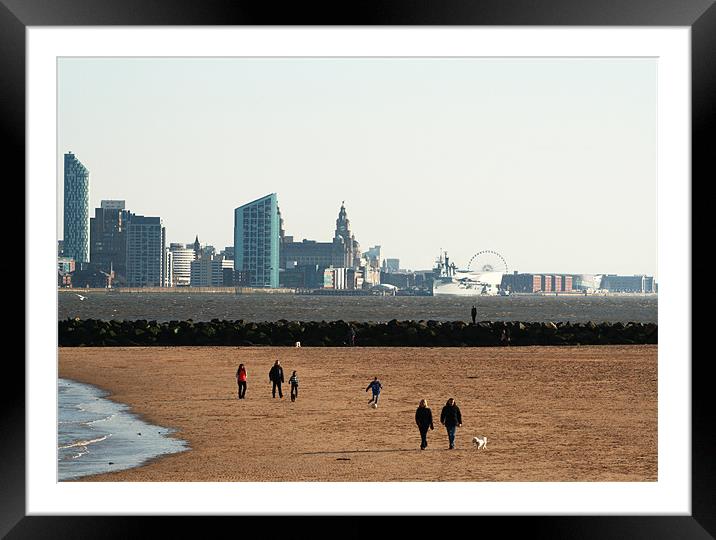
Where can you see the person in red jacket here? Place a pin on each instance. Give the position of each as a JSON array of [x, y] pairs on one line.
[[241, 381]]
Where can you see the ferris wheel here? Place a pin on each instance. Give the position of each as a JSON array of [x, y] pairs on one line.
[[488, 261]]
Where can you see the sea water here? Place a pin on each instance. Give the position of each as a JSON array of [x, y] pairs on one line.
[[272, 307], [96, 435]]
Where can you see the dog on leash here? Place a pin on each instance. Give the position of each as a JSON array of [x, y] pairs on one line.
[[298, 344], [480, 442]]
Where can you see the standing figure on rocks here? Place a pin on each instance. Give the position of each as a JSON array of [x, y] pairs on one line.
[[505, 337], [473, 314], [351, 336], [451, 418], [276, 377], [241, 381]]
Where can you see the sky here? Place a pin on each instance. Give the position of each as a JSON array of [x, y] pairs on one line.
[[551, 162]]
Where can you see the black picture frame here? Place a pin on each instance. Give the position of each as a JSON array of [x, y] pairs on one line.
[[700, 16]]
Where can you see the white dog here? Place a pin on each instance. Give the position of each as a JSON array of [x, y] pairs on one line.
[[298, 344], [480, 442]]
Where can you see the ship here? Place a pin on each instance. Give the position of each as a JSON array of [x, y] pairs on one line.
[[449, 280]]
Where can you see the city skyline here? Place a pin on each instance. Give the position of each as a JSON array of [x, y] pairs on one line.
[[309, 143]]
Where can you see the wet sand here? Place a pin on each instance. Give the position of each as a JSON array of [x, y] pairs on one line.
[[550, 413]]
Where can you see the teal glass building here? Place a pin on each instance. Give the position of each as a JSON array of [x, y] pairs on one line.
[[76, 210], [256, 243]]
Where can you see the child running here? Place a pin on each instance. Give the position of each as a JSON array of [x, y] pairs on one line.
[[375, 387]]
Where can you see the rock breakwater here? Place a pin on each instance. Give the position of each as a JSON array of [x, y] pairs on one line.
[[101, 333]]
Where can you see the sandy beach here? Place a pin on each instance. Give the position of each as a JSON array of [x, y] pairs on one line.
[[550, 413]]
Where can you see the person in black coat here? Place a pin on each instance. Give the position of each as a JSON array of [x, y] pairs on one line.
[[473, 314], [451, 418], [276, 377], [424, 419]]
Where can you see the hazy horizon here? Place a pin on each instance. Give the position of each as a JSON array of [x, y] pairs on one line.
[[549, 161]]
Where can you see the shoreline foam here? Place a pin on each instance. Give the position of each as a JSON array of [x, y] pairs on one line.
[[86, 448]]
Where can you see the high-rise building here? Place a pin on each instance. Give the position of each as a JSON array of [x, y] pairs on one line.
[[228, 253], [108, 240], [146, 256], [182, 256], [372, 256], [168, 268], [76, 210], [391, 265], [256, 242]]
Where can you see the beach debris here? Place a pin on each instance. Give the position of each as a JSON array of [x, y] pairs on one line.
[[343, 459]]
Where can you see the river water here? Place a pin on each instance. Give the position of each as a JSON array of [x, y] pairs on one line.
[[272, 307]]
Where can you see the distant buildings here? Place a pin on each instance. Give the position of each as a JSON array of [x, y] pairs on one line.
[[206, 272], [76, 210], [556, 283], [628, 284], [108, 238], [146, 254], [65, 267], [256, 243], [391, 265], [348, 248], [532, 283], [587, 282], [212, 270], [182, 256], [167, 266], [337, 265], [342, 252]]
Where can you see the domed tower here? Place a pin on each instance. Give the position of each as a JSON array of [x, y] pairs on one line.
[[343, 228], [343, 241]]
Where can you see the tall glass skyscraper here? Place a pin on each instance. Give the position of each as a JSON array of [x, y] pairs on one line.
[[108, 241], [256, 243], [146, 256], [76, 210]]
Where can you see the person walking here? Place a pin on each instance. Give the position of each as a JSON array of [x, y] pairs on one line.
[[473, 314], [351, 336], [424, 419], [293, 381], [451, 418], [276, 377], [375, 387], [241, 381]]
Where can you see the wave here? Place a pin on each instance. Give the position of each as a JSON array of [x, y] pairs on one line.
[[105, 419], [85, 443]]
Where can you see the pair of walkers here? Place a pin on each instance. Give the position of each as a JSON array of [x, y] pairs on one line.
[[450, 417], [275, 376]]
